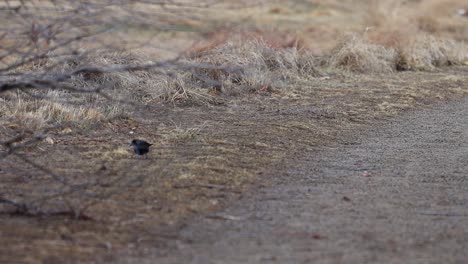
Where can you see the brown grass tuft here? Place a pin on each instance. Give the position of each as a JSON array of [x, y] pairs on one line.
[[258, 64], [356, 55], [426, 52], [34, 113]]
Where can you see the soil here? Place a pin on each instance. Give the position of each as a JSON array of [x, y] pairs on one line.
[[255, 152], [397, 193]]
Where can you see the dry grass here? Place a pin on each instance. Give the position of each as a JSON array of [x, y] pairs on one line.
[[420, 52], [182, 135], [259, 65], [50, 108], [400, 35], [277, 99], [357, 55], [425, 34], [252, 66], [426, 52], [120, 84]]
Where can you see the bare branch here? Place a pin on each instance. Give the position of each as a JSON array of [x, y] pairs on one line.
[[41, 51]]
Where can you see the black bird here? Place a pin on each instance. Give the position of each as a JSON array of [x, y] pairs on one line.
[[140, 147]]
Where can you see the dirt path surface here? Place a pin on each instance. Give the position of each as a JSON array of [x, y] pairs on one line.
[[398, 194]]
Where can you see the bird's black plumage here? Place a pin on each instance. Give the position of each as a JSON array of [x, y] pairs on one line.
[[140, 147]]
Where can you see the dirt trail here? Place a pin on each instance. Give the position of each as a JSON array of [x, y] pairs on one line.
[[396, 194]]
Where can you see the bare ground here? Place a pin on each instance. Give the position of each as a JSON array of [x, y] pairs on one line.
[[205, 158], [397, 193]]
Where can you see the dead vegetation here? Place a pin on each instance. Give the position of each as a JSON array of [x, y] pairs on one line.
[[356, 55], [256, 66], [242, 102], [419, 32]]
